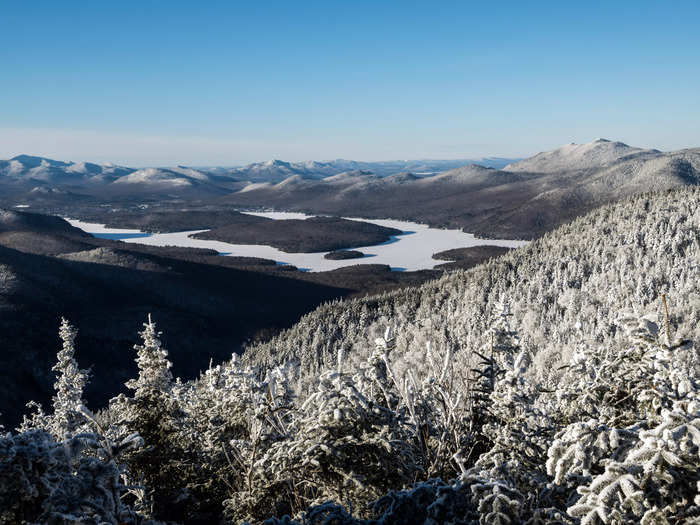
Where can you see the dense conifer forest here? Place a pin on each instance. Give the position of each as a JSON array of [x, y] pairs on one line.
[[556, 384]]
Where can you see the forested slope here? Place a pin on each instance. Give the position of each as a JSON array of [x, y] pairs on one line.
[[621, 256]]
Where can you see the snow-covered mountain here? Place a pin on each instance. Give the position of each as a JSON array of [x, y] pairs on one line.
[[39, 177], [39, 169], [159, 177], [24, 168], [277, 170], [522, 200], [597, 154]]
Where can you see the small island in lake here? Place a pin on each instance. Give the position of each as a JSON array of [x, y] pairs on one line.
[[312, 235], [342, 255]]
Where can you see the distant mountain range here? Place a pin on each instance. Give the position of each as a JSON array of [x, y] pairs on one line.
[[42, 178], [48, 175], [520, 199], [274, 171]]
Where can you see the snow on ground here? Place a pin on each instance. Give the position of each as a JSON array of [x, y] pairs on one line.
[[153, 176], [410, 251]]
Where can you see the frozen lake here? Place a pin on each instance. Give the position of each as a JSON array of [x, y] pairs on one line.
[[411, 250]]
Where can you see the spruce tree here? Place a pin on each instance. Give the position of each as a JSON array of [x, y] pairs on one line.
[[68, 403], [152, 360]]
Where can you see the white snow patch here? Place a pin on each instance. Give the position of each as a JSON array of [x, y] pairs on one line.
[[97, 229], [255, 186], [77, 167], [15, 168], [152, 176]]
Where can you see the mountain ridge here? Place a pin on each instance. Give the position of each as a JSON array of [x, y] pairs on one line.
[[521, 200]]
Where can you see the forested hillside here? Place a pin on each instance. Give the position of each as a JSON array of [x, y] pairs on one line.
[[619, 257], [557, 384]]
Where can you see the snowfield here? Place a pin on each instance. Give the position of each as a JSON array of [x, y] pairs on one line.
[[411, 251]]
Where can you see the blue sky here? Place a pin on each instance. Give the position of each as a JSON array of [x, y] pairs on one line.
[[158, 83]]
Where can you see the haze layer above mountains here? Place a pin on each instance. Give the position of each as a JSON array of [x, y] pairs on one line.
[[522, 199]]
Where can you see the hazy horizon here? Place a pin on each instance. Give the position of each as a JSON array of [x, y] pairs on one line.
[[258, 161], [107, 159], [165, 83]]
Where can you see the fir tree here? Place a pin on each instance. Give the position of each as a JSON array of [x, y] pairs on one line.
[[153, 364], [68, 404]]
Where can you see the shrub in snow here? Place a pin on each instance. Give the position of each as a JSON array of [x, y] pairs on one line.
[[75, 480], [639, 460], [238, 418], [343, 446], [656, 481]]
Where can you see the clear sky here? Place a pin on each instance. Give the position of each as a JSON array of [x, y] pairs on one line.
[[224, 83]]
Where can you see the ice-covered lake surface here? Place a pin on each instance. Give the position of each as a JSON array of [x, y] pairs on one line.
[[412, 250]]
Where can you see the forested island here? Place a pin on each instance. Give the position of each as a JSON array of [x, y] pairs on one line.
[[315, 234], [342, 255]]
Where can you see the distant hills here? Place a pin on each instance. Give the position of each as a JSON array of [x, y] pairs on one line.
[[274, 171], [498, 199], [42, 179], [48, 174], [40, 169], [47, 182], [522, 200]]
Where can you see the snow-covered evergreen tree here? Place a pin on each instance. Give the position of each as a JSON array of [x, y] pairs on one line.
[[67, 417], [68, 401], [154, 414], [152, 360]]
